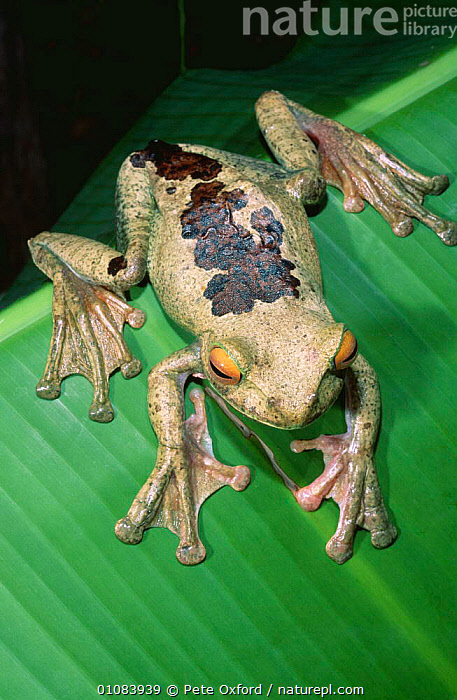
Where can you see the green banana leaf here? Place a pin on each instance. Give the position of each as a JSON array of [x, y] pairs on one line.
[[80, 609]]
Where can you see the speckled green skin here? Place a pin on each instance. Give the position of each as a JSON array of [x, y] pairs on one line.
[[284, 349]]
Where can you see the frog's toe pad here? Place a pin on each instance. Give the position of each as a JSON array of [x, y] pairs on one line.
[[384, 538], [135, 317], [448, 233], [101, 412], [131, 369], [128, 532], [48, 389], [307, 500], [338, 551], [241, 478], [439, 184], [191, 554]]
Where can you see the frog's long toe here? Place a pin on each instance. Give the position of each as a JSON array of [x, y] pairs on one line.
[[211, 474], [397, 192], [310, 497]]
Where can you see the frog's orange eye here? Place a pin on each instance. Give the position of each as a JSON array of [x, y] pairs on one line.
[[223, 369], [347, 352]]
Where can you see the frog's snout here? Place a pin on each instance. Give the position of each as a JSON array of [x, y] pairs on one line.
[[300, 409], [283, 413]]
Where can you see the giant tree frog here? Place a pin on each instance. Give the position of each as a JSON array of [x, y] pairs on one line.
[[230, 253]]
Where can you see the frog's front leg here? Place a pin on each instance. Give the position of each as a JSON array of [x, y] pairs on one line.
[[89, 310], [186, 472], [88, 318], [354, 164], [349, 476]]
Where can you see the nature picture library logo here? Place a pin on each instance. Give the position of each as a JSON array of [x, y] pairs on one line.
[[411, 20]]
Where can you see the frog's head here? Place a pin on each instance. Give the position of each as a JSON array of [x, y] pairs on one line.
[[285, 379]]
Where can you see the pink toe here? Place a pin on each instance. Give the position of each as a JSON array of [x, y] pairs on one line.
[[306, 500]]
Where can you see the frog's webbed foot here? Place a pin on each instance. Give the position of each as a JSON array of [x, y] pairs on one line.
[[351, 481], [87, 338], [364, 171], [181, 481]]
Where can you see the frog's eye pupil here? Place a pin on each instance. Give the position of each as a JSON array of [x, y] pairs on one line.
[[218, 372], [347, 352], [222, 368]]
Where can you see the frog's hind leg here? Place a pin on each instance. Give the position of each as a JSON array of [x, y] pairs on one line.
[[354, 164], [186, 474], [88, 320]]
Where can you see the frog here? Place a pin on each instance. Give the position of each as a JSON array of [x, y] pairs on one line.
[[227, 244]]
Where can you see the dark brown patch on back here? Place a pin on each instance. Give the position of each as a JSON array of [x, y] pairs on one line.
[[254, 270], [173, 163], [270, 229], [116, 264]]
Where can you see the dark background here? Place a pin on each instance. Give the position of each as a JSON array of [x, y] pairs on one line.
[[74, 77]]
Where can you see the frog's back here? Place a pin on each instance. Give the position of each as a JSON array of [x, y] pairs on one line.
[[224, 243]]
